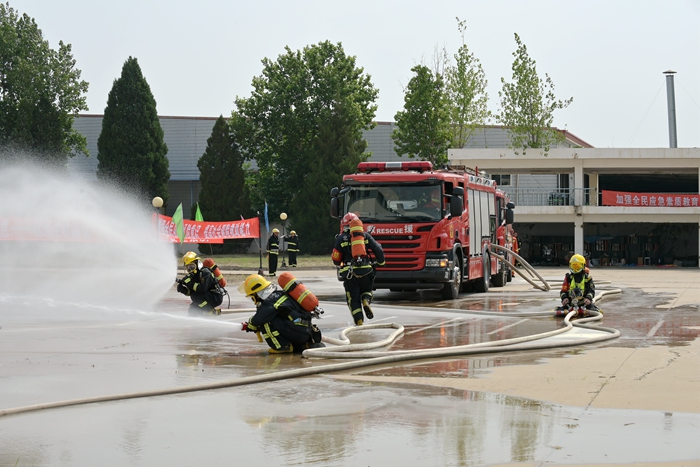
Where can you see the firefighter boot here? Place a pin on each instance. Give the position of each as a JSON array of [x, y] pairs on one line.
[[365, 306], [287, 349]]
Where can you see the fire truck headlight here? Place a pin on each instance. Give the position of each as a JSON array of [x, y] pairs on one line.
[[436, 262]]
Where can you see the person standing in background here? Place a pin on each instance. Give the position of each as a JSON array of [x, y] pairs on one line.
[[273, 252], [292, 247]]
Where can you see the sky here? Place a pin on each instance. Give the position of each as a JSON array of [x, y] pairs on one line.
[[198, 56]]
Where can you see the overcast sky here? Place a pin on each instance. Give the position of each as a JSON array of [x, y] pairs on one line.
[[197, 56]]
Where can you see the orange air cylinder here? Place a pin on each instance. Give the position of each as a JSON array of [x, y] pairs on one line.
[[218, 275], [357, 239], [298, 291]]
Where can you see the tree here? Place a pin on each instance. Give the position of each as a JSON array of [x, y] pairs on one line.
[[466, 94], [277, 125], [40, 91], [528, 105], [423, 127], [224, 194], [131, 149], [338, 148]]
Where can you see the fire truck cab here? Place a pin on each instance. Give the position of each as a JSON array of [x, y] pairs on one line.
[[436, 226]]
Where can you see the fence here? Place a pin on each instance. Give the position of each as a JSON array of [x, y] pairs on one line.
[[556, 197]]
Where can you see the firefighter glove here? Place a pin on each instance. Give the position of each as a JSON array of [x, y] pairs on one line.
[[183, 289], [565, 301], [587, 301]]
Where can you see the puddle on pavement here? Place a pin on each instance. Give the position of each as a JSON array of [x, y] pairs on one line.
[[327, 422]]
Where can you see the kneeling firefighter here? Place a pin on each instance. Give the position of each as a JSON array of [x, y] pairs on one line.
[[578, 288], [201, 286], [284, 323]]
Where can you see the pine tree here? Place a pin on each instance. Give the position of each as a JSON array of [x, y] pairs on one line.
[[131, 148], [224, 195]]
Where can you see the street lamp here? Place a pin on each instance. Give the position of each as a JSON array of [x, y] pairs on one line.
[[283, 216], [157, 203]]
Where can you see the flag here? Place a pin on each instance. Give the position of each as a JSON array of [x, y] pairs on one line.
[[179, 225], [267, 223], [198, 215]]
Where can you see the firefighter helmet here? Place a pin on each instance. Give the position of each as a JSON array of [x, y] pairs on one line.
[[576, 264], [191, 261], [275, 231], [347, 218], [293, 232], [253, 284]]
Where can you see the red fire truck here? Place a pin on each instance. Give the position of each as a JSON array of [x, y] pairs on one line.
[[436, 226]]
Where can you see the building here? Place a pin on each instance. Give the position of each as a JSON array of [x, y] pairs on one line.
[[566, 212]]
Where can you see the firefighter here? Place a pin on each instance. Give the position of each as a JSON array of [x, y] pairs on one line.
[[273, 251], [357, 274], [284, 324], [431, 200], [578, 285], [292, 247], [201, 286]]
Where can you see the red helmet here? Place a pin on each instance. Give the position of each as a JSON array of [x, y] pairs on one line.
[[347, 218]]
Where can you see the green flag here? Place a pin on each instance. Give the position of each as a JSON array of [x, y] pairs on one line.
[[179, 225], [198, 215]]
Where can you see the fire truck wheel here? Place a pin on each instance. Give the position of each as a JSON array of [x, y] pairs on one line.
[[450, 290], [500, 279], [481, 284]]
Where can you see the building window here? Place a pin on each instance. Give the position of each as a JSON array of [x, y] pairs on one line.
[[502, 180]]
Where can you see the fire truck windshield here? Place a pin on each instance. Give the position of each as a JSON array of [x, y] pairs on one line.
[[396, 203]]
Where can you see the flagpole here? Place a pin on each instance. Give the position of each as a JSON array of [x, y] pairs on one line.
[[260, 269]]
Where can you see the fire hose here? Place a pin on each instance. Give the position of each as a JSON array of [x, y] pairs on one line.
[[364, 359]]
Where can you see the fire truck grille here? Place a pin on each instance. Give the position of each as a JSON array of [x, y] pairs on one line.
[[404, 262]]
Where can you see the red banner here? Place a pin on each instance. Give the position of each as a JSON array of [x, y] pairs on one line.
[[209, 232], [655, 200]]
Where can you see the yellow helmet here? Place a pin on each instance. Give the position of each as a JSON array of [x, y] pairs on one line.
[[577, 263], [190, 258], [253, 284], [293, 232], [275, 231]]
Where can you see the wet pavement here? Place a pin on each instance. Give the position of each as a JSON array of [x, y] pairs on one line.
[[387, 415]]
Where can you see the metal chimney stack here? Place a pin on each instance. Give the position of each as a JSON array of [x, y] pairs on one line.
[[671, 98]]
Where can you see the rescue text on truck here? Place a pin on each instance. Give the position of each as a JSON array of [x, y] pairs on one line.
[[436, 226]]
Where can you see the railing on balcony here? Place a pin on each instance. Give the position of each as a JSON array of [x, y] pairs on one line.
[[556, 197]]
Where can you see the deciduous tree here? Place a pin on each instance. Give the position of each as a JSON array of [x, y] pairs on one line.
[[528, 104], [423, 127], [278, 124], [131, 148], [466, 93], [337, 148], [40, 91]]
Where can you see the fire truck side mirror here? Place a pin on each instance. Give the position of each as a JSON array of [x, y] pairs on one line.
[[334, 192], [334, 207], [509, 216], [510, 205], [456, 206]]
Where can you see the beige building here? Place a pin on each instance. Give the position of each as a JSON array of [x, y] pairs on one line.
[[560, 210]]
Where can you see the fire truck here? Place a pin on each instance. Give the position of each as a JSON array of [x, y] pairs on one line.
[[436, 227]]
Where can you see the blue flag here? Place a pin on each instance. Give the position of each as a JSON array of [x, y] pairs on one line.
[[267, 223]]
